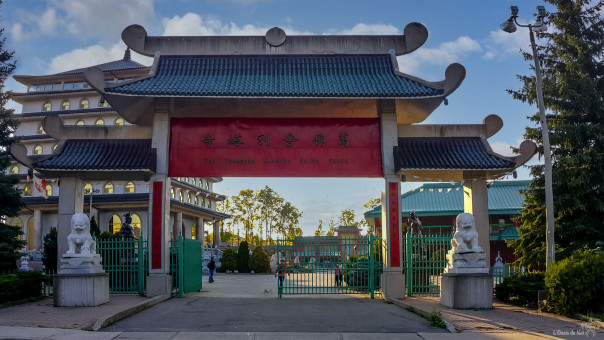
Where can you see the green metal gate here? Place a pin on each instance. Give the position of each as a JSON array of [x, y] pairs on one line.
[[424, 259], [126, 262], [186, 260], [329, 265]]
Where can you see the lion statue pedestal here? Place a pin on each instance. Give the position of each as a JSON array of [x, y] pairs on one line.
[[81, 280], [466, 282]]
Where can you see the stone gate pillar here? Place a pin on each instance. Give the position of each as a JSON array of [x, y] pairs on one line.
[[200, 230], [71, 201], [216, 235], [476, 202], [393, 279], [159, 281]]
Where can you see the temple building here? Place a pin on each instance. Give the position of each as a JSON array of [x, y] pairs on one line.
[[269, 106], [68, 97]]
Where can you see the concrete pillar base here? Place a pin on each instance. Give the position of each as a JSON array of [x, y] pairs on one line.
[[159, 284], [81, 290], [466, 291], [393, 285]]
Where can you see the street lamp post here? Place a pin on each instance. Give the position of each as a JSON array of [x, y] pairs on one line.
[[92, 191], [539, 25]]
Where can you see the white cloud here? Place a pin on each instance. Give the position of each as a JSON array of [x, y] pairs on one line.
[[192, 24], [92, 55], [502, 148], [369, 29], [83, 19], [445, 54]]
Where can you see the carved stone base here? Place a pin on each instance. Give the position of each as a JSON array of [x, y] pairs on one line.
[[466, 291], [81, 264], [467, 262], [80, 290]]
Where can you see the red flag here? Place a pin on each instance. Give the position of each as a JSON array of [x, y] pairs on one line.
[[40, 186]]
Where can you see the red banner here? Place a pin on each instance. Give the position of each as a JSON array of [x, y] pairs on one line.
[[156, 230], [395, 259], [275, 147]]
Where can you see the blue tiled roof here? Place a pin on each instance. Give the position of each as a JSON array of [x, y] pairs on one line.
[[102, 155], [328, 76], [118, 65], [446, 199], [446, 153]]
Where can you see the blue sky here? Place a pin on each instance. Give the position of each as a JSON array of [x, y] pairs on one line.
[[58, 35]]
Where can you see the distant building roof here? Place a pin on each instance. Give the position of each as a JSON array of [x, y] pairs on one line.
[[446, 199], [113, 155], [326, 76], [446, 153]]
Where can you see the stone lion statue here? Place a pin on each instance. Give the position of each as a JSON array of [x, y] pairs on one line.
[[465, 239], [79, 240]]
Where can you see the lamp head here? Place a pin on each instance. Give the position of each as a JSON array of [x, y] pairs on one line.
[[514, 10], [541, 12], [508, 26]]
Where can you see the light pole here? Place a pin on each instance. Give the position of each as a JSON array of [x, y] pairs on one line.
[[539, 25], [92, 191]]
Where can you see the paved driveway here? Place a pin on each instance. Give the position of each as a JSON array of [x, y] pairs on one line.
[[249, 303]]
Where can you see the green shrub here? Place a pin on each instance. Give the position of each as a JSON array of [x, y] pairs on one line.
[[436, 319], [94, 228], [576, 284], [18, 286], [243, 258], [107, 235], [50, 257], [356, 273], [221, 269], [520, 290], [229, 260], [10, 246], [259, 261]]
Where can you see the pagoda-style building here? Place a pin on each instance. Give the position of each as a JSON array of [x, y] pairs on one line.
[[290, 106]]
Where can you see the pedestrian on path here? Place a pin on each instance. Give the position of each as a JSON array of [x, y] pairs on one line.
[[281, 271], [338, 275], [212, 268]]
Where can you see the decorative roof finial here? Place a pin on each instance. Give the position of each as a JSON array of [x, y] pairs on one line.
[[127, 54]]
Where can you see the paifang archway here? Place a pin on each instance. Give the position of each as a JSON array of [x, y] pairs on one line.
[[288, 106]]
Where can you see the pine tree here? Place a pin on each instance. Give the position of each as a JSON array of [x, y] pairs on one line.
[[243, 258], [573, 90], [10, 197]]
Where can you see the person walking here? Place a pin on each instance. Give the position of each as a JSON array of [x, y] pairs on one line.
[[338, 275], [212, 269], [281, 271]]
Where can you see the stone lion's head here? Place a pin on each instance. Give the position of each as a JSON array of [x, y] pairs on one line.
[[465, 222], [80, 224]]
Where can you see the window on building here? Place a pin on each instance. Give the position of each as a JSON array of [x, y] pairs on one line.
[[136, 224], [30, 234], [196, 201], [84, 104], [87, 188], [28, 191], [41, 129], [99, 122], [203, 202], [172, 193], [194, 232], [194, 181], [180, 197], [65, 105], [103, 103], [189, 198], [48, 190], [119, 122], [14, 170], [38, 149], [108, 188], [54, 147], [129, 188], [115, 224], [80, 123], [209, 204], [47, 106]]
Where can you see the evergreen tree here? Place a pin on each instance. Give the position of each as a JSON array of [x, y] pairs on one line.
[[10, 197], [243, 258], [573, 90], [259, 261], [94, 228], [49, 258]]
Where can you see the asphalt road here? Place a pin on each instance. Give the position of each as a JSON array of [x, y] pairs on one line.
[[249, 303]]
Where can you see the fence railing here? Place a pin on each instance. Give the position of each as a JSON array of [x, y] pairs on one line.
[[424, 259], [186, 261], [126, 262]]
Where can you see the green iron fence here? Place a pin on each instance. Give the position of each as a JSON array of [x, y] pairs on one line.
[[330, 265], [424, 259], [127, 263], [186, 261]]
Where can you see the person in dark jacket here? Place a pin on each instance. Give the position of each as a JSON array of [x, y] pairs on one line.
[[212, 268]]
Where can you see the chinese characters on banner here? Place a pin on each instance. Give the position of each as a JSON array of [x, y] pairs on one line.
[[393, 196], [275, 147]]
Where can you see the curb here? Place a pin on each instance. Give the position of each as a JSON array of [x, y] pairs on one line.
[[420, 312], [107, 320]]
